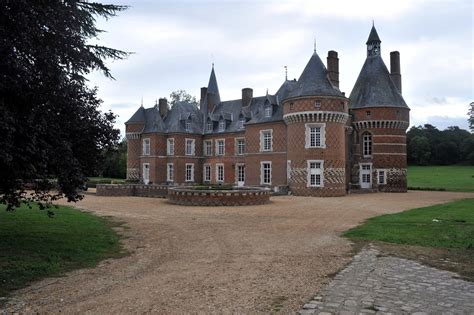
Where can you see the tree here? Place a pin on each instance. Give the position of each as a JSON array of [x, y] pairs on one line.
[[471, 117], [182, 96], [52, 130], [115, 161], [419, 151]]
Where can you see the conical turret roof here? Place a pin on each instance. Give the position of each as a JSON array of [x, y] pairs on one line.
[[374, 86], [373, 36], [138, 117], [314, 81]]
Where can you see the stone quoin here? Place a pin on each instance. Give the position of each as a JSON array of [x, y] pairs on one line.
[[308, 138]]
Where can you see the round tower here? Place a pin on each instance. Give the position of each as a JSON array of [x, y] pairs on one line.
[[316, 113], [380, 118]]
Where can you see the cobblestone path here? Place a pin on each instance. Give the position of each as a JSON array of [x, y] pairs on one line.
[[374, 284]]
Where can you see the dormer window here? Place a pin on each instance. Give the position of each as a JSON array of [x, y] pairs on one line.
[[241, 122], [209, 125], [221, 125], [268, 111], [187, 125], [317, 104], [368, 113]]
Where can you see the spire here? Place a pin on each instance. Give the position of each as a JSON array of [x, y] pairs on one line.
[[373, 36], [373, 43], [212, 86]]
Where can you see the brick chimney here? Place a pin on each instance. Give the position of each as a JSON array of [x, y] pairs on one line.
[[333, 68], [247, 95], [163, 107], [395, 70]]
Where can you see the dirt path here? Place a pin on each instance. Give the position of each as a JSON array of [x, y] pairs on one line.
[[217, 260]]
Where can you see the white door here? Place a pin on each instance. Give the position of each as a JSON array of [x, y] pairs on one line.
[[146, 173], [365, 175], [240, 175]]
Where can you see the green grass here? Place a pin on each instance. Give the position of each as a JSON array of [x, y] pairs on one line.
[[34, 246], [451, 177], [454, 229]]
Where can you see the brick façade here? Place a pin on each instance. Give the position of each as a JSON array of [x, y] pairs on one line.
[[375, 108]]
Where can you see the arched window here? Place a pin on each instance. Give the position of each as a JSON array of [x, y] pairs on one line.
[[367, 144], [221, 125]]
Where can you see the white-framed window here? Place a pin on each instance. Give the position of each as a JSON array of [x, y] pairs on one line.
[[315, 136], [146, 173], [169, 172], [190, 146], [382, 177], [317, 104], [170, 146], [367, 144], [265, 173], [209, 125], [266, 140], [221, 125], [240, 170], [240, 124], [189, 176], [220, 147], [268, 111], [207, 172], [187, 125], [207, 147], [240, 146], [219, 172], [146, 146], [315, 173]]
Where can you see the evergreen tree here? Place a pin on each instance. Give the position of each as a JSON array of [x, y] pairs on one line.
[[52, 132]]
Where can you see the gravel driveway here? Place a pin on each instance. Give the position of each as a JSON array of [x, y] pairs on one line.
[[217, 260]]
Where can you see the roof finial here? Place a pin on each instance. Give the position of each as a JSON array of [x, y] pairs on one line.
[[212, 59], [286, 73], [373, 23], [142, 101], [267, 91], [156, 102], [315, 44]]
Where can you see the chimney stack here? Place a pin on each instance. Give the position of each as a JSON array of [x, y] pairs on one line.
[[247, 95], [333, 68], [163, 107], [395, 70]]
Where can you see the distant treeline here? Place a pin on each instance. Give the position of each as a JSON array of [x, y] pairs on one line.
[[426, 145]]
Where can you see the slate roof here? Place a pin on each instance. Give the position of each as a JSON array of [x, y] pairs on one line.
[[177, 116], [373, 36], [314, 81], [374, 86], [138, 117]]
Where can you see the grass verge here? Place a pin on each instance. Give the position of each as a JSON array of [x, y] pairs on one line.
[[34, 246], [440, 235], [450, 177]]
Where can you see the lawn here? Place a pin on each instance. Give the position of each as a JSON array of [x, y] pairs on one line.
[[451, 178], [441, 236], [34, 246]]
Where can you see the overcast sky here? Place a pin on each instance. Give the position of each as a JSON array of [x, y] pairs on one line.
[[250, 42]]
